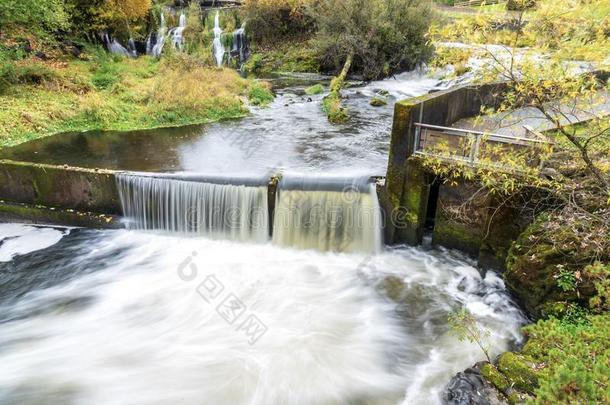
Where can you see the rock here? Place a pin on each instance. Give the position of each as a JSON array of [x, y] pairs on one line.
[[519, 371], [468, 387], [315, 89], [378, 101]]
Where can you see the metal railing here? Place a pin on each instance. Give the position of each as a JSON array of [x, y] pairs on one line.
[[468, 145]]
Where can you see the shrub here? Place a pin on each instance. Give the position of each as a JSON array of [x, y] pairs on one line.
[[575, 360], [35, 15], [273, 20], [384, 36], [7, 74]]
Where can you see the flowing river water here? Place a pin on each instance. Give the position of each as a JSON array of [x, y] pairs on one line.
[[141, 316]]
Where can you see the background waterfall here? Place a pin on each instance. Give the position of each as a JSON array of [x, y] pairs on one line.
[[236, 212], [217, 46], [176, 33], [327, 214], [155, 45]]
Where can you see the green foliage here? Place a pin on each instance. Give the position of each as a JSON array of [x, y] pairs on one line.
[[384, 36], [575, 360], [315, 89], [285, 57], [548, 262], [599, 274], [466, 328], [272, 21], [106, 76], [35, 15], [566, 280], [260, 95]]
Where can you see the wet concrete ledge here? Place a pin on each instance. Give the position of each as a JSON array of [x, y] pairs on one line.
[[63, 195]]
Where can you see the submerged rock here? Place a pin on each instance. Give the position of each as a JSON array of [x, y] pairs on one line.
[[468, 387], [378, 101]]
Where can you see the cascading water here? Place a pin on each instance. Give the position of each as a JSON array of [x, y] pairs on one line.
[[115, 47], [155, 47], [217, 46], [176, 33], [327, 214], [240, 45], [189, 205]]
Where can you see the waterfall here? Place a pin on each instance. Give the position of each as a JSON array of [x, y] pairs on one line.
[[176, 33], [217, 47], [114, 46], [240, 45], [327, 214], [156, 49], [194, 205]]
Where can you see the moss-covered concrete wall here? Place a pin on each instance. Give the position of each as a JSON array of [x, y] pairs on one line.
[[91, 191], [481, 230], [402, 186]]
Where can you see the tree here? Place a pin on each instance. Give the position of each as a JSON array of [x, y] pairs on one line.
[[382, 36], [466, 328], [372, 37]]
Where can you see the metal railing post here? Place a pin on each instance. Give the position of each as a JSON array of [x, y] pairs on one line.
[[474, 148]]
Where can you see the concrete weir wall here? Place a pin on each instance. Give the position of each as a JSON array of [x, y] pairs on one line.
[[50, 194], [482, 232]]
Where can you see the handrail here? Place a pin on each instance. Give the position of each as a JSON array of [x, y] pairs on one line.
[[448, 130]]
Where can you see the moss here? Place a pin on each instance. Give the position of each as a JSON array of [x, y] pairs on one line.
[[287, 57], [491, 373], [337, 114], [41, 214], [519, 371], [315, 89], [378, 101]]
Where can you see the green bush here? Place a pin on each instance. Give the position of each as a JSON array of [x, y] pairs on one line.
[[384, 36], [272, 21], [7, 74], [35, 15], [574, 359]]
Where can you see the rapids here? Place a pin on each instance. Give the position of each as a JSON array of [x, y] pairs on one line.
[[124, 317]]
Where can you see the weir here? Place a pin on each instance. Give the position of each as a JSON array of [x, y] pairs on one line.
[[193, 206], [324, 213]]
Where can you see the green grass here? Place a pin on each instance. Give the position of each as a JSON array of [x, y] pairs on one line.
[[113, 93]]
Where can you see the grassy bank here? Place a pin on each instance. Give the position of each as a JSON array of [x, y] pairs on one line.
[[101, 91]]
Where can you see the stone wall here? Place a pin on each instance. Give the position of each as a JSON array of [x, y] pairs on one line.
[[42, 193]]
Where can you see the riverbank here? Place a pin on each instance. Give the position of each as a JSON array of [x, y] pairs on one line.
[[108, 92]]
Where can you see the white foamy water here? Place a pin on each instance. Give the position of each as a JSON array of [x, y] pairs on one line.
[[146, 335], [18, 239]]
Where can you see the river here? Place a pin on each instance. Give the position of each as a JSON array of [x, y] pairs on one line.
[[150, 317]]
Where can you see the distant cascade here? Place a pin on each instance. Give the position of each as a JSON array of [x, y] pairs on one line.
[[217, 46], [115, 47], [327, 214], [240, 45], [190, 206], [176, 33], [156, 42]]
